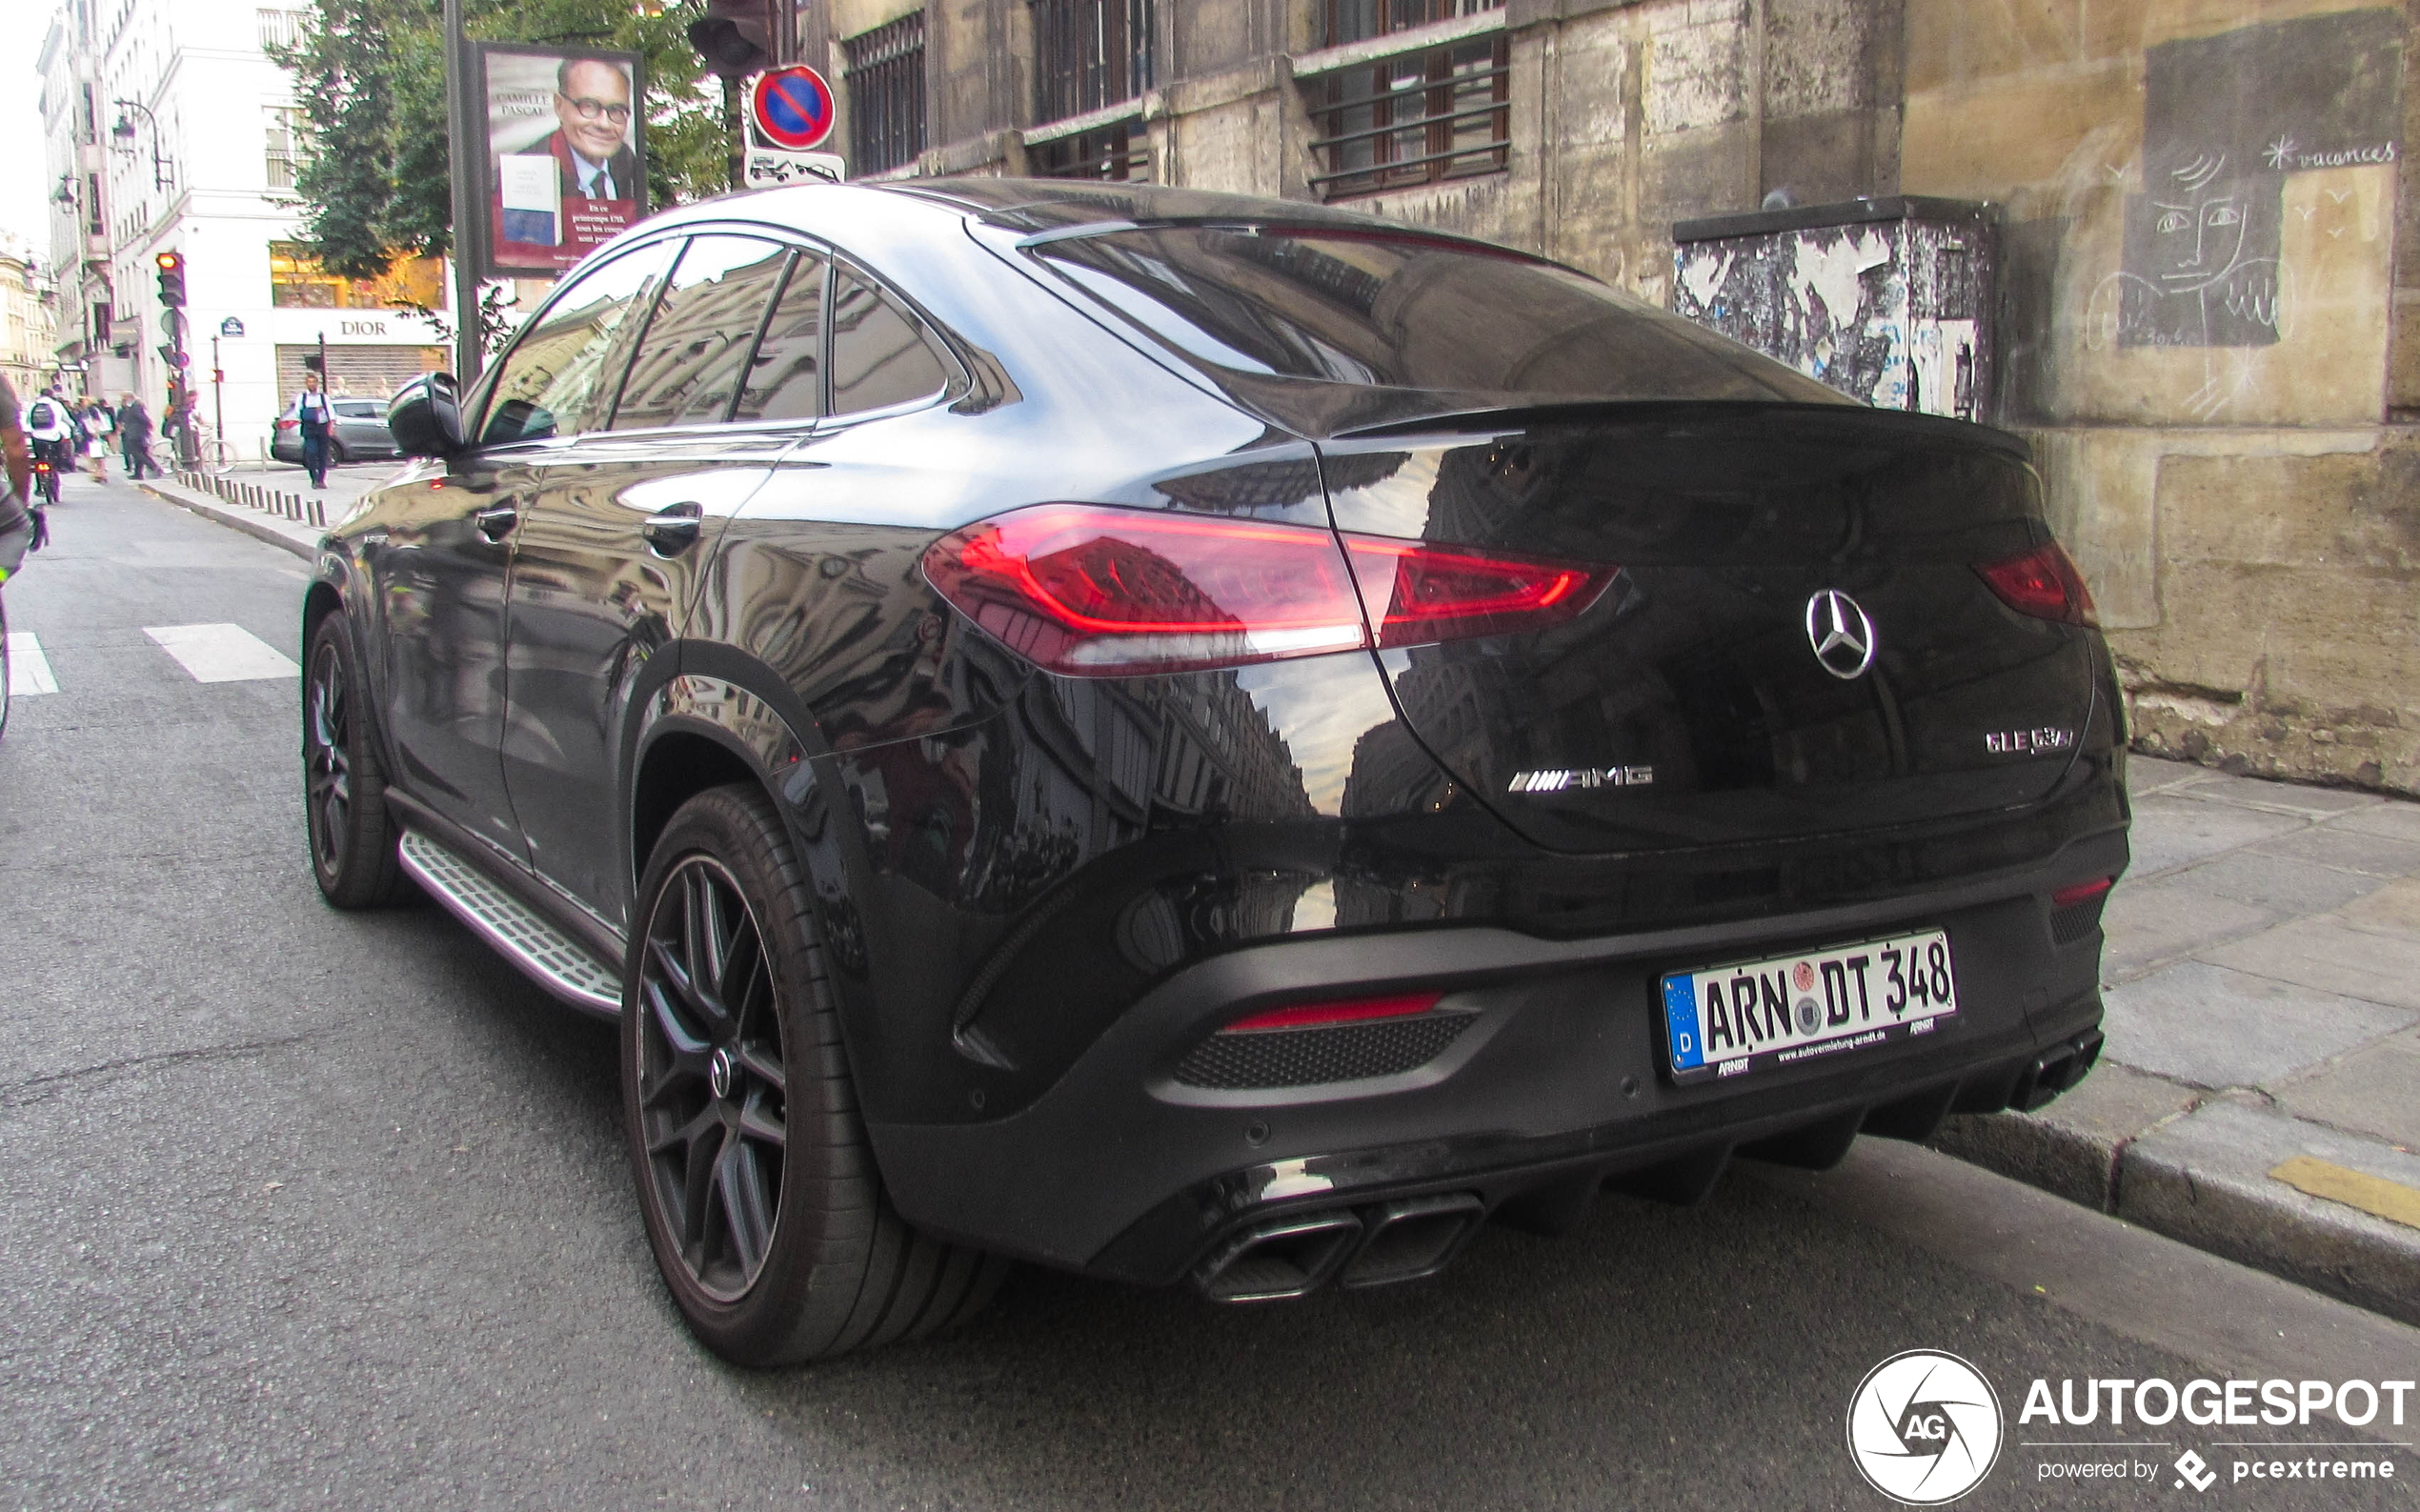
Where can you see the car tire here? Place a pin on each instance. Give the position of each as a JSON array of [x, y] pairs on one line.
[[4, 669], [337, 456], [737, 1091], [352, 834]]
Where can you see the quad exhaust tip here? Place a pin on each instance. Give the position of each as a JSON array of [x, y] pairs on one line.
[[1404, 1240]]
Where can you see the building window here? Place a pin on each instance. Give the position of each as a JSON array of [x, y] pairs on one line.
[[298, 282], [285, 144], [1417, 117], [1121, 153], [1088, 54], [886, 96], [93, 223]]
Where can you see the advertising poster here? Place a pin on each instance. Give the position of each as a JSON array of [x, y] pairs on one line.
[[566, 154]]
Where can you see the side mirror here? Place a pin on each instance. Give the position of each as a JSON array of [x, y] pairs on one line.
[[426, 417]]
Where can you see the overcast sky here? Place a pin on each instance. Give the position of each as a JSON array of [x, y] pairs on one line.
[[22, 23]]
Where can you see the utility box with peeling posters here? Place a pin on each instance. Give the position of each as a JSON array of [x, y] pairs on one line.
[[1887, 300]]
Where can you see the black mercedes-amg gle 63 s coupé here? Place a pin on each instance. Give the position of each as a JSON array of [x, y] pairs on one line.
[[1186, 738]]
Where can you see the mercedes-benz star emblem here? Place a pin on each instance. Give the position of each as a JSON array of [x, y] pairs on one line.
[[1840, 634]]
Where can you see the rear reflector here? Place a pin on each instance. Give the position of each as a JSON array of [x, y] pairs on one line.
[[1358, 1010], [2043, 583], [1087, 590], [2081, 893]]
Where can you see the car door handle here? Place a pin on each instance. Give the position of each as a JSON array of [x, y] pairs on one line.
[[673, 529], [495, 520]]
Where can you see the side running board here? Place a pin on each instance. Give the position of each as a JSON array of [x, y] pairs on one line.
[[549, 957]]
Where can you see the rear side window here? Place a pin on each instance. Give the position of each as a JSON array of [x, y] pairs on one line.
[[560, 377], [690, 361], [1408, 312], [785, 377], [881, 354], [359, 409]]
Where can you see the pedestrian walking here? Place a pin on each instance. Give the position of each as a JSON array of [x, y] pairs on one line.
[[312, 417], [98, 425], [134, 437]]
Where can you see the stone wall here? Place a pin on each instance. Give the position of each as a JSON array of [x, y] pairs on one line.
[[2210, 297]]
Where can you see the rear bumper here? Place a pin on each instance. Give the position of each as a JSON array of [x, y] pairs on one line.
[[1558, 1084]]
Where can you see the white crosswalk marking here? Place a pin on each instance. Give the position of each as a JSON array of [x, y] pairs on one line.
[[29, 670], [222, 652]]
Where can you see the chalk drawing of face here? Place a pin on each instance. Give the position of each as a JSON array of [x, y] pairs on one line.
[[2201, 259], [2200, 240]]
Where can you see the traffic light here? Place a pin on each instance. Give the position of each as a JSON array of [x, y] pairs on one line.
[[171, 279], [735, 37]]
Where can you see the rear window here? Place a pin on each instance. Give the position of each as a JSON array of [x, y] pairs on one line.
[[360, 409], [1406, 311]]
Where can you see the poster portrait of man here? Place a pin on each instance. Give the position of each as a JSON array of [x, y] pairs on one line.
[[566, 154]]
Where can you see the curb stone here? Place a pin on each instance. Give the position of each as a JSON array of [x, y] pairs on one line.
[[2205, 1179], [301, 540]]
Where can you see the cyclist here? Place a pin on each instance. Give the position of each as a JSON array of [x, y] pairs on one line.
[[52, 427]]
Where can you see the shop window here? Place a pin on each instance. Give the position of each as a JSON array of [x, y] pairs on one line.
[[298, 282]]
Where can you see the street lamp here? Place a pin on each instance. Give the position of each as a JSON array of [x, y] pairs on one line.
[[122, 139]]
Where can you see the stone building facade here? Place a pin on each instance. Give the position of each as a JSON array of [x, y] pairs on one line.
[[2208, 269]]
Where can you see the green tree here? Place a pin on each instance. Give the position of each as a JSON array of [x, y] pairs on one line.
[[371, 77]]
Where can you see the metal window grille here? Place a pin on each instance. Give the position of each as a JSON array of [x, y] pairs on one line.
[[1359, 20], [886, 95], [1089, 54], [279, 29], [1119, 153], [1416, 118], [285, 144]]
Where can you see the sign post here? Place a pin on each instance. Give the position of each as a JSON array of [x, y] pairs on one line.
[[790, 114], [463, 161]]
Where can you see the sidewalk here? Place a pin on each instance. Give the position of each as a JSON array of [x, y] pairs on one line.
[[2259, 1096], [273, 503]]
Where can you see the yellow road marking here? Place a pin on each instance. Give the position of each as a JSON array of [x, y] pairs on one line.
[[2374, 1195]]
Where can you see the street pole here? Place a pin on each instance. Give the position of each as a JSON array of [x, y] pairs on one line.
[[185, 449], [325, 387], [735, 164], [462, 141], [217, 393]]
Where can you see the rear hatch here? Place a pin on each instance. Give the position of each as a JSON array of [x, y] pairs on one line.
[[1688, 706]]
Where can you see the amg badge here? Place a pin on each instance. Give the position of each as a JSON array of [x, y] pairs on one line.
[[1556, 781]]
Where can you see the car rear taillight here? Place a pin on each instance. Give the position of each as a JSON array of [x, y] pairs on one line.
[[1418, 595], [1087, 590], [1321, 1014], [2045, 583], [285, 425]]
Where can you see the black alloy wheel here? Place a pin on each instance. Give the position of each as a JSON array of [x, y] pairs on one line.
[[352, 837], [763, 1206], [711, 1078]]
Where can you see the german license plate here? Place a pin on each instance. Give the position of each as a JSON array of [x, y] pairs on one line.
[[1725, 1021]]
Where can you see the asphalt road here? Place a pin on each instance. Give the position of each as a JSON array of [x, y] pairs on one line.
[[305, 1209]]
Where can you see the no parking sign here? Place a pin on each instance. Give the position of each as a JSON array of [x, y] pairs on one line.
[[791, 108]]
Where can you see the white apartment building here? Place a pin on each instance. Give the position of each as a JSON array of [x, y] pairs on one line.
[[169, 129]]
